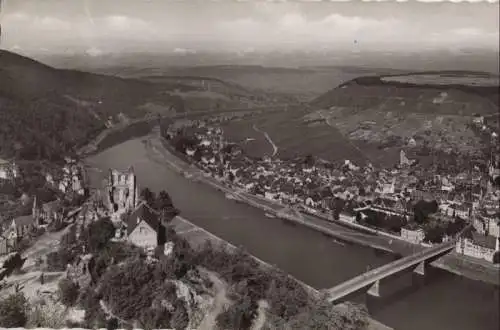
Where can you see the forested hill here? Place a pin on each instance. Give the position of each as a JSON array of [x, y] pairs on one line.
[[47, 112]]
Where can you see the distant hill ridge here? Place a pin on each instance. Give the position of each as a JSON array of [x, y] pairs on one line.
[[376, 87]]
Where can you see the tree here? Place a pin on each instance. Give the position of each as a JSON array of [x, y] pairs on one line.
[[98, 234], [309, 160], [434, 234], [496, 257], [13, 311], [68, 292], [323, 316], [197, 155], [286, 296], [394, 223], [148, 196], [180, 317], [58, 261], [165, 206], [69, 238]]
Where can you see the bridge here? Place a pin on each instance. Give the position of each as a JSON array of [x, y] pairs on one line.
[[372, 278]]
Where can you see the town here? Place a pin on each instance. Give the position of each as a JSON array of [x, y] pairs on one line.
[[408, 202], [122, 233]]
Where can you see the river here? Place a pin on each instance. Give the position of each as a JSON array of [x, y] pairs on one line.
[[440, 301]]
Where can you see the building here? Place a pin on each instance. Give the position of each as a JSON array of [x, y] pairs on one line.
[[19, 227], [144, 228], [415, 236], [478, 120], [47, 213], [392, 206], [122, 192], [478, 246], [487, 225], [8, 170]]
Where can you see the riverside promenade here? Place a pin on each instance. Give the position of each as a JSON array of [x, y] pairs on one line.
[[340, 230]]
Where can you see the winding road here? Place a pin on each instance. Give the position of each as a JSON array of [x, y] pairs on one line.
[[268, 138]]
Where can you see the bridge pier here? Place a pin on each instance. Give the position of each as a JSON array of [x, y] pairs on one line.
[[420, 269], [375, 289]]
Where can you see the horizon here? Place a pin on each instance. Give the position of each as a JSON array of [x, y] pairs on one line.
[[97, 27]]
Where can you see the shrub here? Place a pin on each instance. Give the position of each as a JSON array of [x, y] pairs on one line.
[[155, 318], [94, 316], [240, 315], [46, 316], [13, 311], [68, 292]]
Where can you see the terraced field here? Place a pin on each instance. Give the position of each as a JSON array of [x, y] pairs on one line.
[[294, 135]]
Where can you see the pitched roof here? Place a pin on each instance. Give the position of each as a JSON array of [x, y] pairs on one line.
[[484, 241], [25, 220], [142, 213], [52, 206]]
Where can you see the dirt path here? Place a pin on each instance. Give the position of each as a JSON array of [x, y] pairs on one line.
[[268, 138], [220, 301], [260, 320]]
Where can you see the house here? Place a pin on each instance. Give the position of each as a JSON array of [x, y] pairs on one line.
[[478, 246], [415, 236], [144, 228], [488, 225], [8, 170], [478, 120], [47, 213], [20, 227]]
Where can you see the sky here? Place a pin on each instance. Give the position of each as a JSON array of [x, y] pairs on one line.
[[96, 26]]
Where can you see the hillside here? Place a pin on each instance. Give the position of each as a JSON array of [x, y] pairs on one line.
[[435, 110], [45, 111], [370, 119]]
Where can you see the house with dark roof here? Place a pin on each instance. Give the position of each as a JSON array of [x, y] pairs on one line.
[[20, 227], [144, 228]]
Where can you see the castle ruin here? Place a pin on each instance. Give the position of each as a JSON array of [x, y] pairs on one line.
[[122, 192]]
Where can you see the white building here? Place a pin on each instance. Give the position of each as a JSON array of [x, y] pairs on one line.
[[415, 236], [479, 246], [8, 170], [144, 228]]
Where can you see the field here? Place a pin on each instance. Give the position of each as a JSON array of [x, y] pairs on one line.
[[293, 134], [446, 79]]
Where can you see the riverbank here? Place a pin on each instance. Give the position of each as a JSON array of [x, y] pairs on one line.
[[341, 230]]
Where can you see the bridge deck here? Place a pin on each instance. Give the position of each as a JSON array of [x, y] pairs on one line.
[[379, 273]]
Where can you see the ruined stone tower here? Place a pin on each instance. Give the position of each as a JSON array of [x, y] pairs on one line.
[[122, 191]]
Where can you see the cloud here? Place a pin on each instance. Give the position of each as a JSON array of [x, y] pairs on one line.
[[262, 25], [127, 24], [52, 31], [342, 30]]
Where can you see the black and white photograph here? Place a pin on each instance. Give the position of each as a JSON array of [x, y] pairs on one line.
[[250, 165]]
